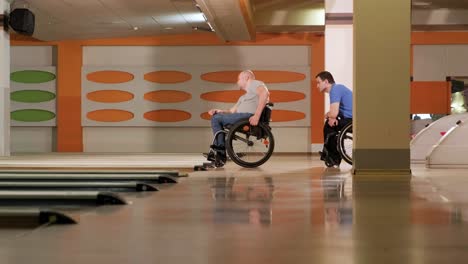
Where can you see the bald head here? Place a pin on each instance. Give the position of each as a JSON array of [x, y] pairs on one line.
[[244, 78], [248, 74]]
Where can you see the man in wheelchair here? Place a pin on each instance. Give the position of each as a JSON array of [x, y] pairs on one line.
[[339, 115], [249, 106]]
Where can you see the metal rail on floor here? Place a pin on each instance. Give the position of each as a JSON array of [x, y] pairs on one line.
[[94, 172], [21, 217], [67, 185], [56, 198], [87, 177]]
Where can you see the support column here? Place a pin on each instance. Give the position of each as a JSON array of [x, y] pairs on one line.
[[4, 86], [381, 89], [69, 130]]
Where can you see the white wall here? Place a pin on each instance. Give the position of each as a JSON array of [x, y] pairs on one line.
[[443, 16], [194, 137], [4, 86], [436, 62], [177, 140], [31, 138], [339, 53]]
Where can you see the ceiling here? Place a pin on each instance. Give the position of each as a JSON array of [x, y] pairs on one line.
[[89, 19], [436, 4]]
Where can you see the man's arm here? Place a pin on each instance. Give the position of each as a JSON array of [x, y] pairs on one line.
[[263, 96], [232, 110], [333, 114], [334, 110]]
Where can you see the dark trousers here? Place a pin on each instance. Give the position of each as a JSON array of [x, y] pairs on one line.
[[330, 138]]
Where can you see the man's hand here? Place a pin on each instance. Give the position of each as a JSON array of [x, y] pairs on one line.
[[332, 122], [214, 111], [254, 120]]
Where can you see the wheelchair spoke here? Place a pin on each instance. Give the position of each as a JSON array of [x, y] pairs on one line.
[[237, 137], [346, 143], [250, 147]]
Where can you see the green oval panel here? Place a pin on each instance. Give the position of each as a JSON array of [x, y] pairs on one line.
[[32, 115], [32, 96], [32, 76]]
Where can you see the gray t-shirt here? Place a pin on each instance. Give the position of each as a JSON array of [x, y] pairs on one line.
[[249, 101]]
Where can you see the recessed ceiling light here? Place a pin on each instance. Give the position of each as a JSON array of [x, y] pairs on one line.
[[168, 28], [421, 3], [136, 28]]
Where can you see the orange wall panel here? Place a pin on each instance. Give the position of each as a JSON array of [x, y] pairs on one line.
[[439, 38], [318, 100], [430, 97], [69, 130], [110, 115], [110, 77], [265, 76]]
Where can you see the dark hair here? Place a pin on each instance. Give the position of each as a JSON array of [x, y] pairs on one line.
[[326, 76]]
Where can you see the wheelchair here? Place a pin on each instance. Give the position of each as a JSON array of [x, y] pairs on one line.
[[248, 146], [344, 139], [345, 143]]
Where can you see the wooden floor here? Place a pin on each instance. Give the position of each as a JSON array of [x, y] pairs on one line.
[[291, 210]]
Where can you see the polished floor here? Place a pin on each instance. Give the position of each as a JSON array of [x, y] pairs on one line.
[[291, 210]]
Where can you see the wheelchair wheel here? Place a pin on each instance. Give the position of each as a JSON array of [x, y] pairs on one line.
[[345, 143], [250, 146]]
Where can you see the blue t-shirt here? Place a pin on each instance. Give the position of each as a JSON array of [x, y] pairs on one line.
[[343, 95]]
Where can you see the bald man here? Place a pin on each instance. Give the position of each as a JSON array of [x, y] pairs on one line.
[[250, 106]]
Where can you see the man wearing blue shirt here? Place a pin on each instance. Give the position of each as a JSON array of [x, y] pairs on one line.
[[340, 114]]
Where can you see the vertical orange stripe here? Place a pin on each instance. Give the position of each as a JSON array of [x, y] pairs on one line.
[[317, 108], [411, 59], [430, 97], [317, 99], [69, 130]]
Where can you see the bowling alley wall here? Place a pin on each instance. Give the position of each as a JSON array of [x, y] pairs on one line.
[[153, 94]]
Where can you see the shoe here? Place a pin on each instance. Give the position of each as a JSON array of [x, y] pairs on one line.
[[331, 161], [336, 160], [210, 156], [329, 164], [220, 159], [322, 156]]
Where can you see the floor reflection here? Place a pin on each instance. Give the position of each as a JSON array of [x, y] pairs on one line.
[[338, 208], [242, 201], [256, 201]]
